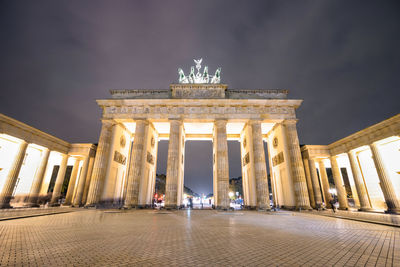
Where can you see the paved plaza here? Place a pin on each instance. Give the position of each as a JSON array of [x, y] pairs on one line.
[[195, 238]]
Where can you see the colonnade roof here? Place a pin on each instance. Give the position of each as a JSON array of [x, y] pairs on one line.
[[21, 131], [374, 133]]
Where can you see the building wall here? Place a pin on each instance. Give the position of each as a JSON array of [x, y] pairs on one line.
[[281, 169]]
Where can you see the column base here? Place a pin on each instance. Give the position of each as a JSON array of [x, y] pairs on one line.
[[392, 211], [306, 208], [54, 205], [341, 208], [222, 208], [171, 207], [31, 205], [5, 206], [366, 209], [264, 209]]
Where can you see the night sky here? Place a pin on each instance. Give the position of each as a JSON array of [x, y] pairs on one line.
[[341, 57]]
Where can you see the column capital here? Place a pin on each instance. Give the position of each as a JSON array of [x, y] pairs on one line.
[[175, 120], [108, 122], [290, 121], [254, 121], [221, 122], [333, 157]]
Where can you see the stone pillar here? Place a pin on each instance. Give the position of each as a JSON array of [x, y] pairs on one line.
[[296, 165], [12, 176], [59, 181], [260, 167], [337, 177], [391, 200], [315, 184], [81, 183], [38, 179], [88, 179], [221, 164], [309, 183], [72, 182], [325, 183], [136, 164], [100, 164], [365, 205], [173, 172]]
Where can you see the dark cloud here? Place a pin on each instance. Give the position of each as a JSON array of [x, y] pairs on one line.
[[341, 57]]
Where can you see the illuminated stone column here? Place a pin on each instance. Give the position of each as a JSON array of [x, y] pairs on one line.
[[325, 183], [296, 165], [81, 183], [309, 183], [88, 179], [12, 176], [38, 179], [221, 164], [72, 182], [136, 163], [173, 172], [100, 164], [337, 177], [391, 200], [59, 181], [260, 167], [315, 184], [359, 183]]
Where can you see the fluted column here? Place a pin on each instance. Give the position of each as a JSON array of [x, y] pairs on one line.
[[38, 179], [315, 184], [359, 182], [88, 179], [12, 176], [309, 183], [100, 164], [325, 183], [72, 182], [221, 164], [337, 177], [296, 165], [391, 200], [136, 164], [260, 167], [81, 183], [172, 180], [59, 181]]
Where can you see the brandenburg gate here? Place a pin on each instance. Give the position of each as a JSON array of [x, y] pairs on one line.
[[199, 107]]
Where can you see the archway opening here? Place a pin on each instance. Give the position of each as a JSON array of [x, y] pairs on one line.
[[198, 178]]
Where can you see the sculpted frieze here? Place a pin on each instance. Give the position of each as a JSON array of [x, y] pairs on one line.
[[198, 110]]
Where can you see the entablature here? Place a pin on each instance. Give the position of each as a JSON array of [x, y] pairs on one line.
[[199, 108], [32, 135]]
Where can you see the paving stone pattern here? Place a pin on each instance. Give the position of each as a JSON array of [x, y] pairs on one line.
[[195, 238]]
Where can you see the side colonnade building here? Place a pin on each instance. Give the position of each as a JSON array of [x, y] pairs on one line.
[[362, 170], [38, 168]]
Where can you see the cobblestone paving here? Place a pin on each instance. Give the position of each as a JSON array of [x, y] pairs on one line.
[[195, 238]]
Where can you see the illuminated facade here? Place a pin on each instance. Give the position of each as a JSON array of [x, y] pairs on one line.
[[365, 168], [33, 167], [38, 168], [135, 120]]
